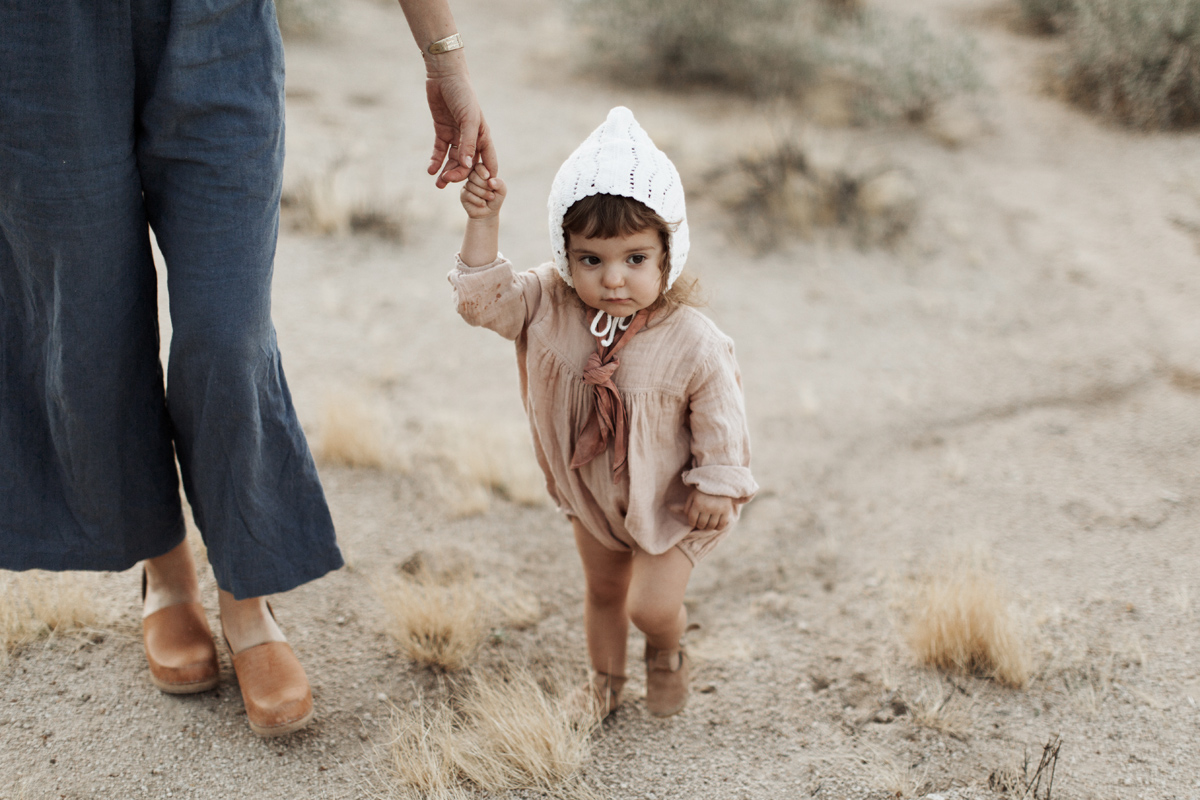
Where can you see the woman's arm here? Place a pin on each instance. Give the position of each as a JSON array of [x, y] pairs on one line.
[[460, 132]]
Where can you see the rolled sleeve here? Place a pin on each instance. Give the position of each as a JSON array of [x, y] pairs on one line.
[[720, 435]]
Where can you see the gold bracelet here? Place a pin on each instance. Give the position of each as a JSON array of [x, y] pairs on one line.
[[451, 42]]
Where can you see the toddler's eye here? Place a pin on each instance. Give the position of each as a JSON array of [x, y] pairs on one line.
[[589, 261], [637, 258]]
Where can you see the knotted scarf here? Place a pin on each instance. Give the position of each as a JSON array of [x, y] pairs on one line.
[[608, 420]]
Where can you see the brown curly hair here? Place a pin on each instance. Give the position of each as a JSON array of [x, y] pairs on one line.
[[607, 216]]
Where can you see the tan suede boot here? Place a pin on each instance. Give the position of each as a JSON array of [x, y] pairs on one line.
[[666, 680]]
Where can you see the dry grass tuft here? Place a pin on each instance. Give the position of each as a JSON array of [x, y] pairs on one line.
[[782, 192], [473, 461], [899, 780], [519, 736], [326, 204], [1029, 781], [938, 708], [351, 433], [439, 625], [962, 622], [507, 733], [439, 612], [35, 605], [422, 755]]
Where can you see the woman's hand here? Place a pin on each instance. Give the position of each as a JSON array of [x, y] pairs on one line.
[[708, 512], [461, 137]]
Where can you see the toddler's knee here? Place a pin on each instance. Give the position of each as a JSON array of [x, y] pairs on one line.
[[647, 616], [606, 593]]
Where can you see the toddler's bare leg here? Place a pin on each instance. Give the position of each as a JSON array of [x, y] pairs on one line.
[[606, 573], [655, 599]]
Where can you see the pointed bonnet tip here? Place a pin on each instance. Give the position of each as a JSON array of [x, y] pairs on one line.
[[619, 114]]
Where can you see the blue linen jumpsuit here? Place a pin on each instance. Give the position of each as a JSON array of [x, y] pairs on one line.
[[115, 116]]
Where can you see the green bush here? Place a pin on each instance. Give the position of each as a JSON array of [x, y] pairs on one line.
[[773, 48], [1136, 61]]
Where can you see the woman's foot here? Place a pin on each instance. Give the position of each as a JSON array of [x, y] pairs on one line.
[[666, 680], [247, 623], [275, 689], [178, 642], [169, 580]]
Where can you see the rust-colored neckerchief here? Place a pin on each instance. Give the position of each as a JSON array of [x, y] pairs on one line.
[[608, 420]]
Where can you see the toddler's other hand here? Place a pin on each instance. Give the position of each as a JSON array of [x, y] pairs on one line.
[[482, 195], [708, 512]]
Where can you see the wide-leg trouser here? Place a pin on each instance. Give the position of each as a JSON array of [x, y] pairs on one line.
[[114, 116]]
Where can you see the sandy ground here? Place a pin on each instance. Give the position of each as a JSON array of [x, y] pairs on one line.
[[1018, 379]]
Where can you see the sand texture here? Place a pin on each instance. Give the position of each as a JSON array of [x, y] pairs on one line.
[[1014, 382]]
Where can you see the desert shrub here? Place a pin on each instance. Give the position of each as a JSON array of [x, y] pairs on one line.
[[1136, 61], [772, 48], [741, 45], [900, 68], [1047, 16], [961, 621], [779, 192]]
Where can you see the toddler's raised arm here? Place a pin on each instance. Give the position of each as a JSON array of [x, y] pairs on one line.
[[481, 196]]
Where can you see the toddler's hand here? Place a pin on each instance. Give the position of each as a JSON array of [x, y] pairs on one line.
[[708, 512], [482, 195]]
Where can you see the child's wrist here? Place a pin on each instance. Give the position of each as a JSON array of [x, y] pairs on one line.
[[490, 221]]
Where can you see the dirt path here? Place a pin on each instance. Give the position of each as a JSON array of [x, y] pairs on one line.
[[1019, 379]]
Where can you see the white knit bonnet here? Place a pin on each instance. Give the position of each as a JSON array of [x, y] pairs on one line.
[[619, 158]]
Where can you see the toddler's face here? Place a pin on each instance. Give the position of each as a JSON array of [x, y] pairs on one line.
[[619, 276]]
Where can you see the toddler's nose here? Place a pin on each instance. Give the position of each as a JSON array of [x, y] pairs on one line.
[[612, 278]]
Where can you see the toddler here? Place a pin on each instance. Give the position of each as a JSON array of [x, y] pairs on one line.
[[634, 398]]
